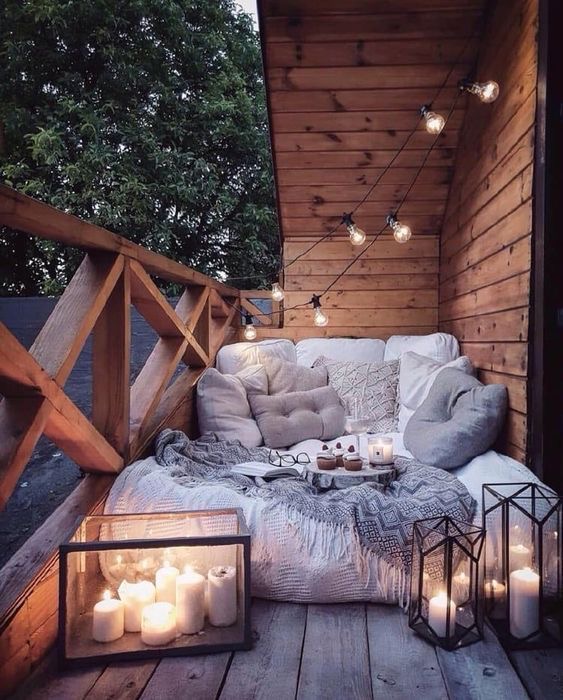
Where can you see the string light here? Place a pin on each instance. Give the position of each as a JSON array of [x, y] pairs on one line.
[[401, 232], [357, 236], [487, 92], [277, 292], [434, 122], [320, 318], [249, 330]]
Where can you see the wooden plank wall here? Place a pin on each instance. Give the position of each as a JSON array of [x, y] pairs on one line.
[[392, 288], [486, 237]]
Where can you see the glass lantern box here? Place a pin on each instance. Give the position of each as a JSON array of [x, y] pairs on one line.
[[523, 563], [446, 605], [154, 584]]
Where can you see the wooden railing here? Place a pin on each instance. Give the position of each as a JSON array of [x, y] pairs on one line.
[[114, 274]]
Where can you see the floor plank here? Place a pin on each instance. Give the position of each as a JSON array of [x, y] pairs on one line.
[[403, 665], [271, 669], [335, 661], [195, 677], [124, 681], [541, 672], [481, 671]]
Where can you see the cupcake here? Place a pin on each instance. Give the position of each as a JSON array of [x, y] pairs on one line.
[[326, 460], [353, 462]]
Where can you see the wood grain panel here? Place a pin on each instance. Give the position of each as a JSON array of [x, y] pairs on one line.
[[486, 237]]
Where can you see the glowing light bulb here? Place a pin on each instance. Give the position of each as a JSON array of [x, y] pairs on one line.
[[277, 292], [401, 232], [249, 331], [320, 318], [434, 122], [489, 91], [357, 236]]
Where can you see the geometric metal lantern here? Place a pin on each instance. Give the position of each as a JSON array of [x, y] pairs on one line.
[[446, 603], [524, 564], [153, 585]]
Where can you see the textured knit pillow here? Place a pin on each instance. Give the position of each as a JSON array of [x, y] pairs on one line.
[[372, 385], [285, 419], [284, 376]]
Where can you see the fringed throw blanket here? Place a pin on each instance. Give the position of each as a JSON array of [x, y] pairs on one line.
[[379, 517]]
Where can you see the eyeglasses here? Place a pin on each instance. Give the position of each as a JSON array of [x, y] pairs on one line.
[[279, 460]]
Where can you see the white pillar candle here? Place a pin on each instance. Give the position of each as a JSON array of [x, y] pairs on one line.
[[437, 615], [166, 584], [222, 592], [380, 450], [158, 624], [108, 619], [190, 602], [519, 557], [135, 597], [524, 603], [461, 586]]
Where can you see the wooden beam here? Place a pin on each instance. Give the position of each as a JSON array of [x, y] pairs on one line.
[[23, 213], [152, 305]]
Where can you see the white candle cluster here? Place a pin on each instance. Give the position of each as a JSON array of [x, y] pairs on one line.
[[176, 603]]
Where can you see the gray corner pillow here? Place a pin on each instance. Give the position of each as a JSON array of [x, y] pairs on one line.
[[285, 419], [284, 376], [373, 384], [459, 419]]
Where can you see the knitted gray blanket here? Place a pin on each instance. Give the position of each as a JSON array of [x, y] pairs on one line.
[[381, 516]]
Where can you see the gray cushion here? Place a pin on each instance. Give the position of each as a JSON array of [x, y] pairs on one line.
[[284, 376], [459, 419], [285, 419]]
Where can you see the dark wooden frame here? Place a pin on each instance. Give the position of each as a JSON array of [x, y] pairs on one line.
[[242, 538], [545, 395]]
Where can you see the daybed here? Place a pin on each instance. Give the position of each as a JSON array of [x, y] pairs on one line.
[[295, 558]]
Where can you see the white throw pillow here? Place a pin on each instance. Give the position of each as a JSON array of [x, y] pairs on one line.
[[441, 347], [416, 376], [341, 349], [222, 404], [231, 359]]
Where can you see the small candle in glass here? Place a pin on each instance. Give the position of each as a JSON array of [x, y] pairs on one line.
[[380, 450]]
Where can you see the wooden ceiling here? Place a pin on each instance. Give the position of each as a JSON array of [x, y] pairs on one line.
[[345, 80]]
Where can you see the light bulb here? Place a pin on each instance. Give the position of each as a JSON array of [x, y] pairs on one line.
[[488, 91], [277, 292], [401, 232], [434, 122], [357, 236], [249, 331], [321, 319]]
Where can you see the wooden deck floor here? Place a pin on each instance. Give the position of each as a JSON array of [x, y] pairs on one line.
[[319, 651]]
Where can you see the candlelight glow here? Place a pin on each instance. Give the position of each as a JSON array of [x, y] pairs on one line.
[[106, 595]]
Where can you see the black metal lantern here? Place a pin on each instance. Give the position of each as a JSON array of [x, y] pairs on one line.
[[154, 584], [523, 563], [446, 604]]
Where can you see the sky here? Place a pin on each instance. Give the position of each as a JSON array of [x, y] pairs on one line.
[[250, 7]]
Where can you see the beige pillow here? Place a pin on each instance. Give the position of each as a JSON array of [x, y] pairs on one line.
[[285, 419], [222, 404], [284, 377]]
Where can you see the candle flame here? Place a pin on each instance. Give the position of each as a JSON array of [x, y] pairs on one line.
[[494, 584], [106, 595], [166, 563], [119, 559], [188, 569], [462, 576]]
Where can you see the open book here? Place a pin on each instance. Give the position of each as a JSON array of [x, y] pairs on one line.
[[267, 471]]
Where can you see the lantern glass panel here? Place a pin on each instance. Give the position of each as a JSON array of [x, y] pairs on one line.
[[523, 570], [194, 565], [446, 583]]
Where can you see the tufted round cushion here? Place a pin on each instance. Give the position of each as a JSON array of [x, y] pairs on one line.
[[285, 419], [459, 419]]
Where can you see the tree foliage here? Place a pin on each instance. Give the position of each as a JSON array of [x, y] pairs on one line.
[[144, 116]]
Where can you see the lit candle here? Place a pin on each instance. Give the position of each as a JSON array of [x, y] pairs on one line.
[[380, 450], [438, 615], [166, 584], [524, 603], [158, 624], [135, 597], [461, 586], [495, 592], [519, 557], [108, 619], [222, 586], [190, 602], [118, 567]]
